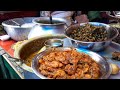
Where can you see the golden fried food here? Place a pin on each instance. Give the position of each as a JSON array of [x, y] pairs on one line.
[[69, 64]]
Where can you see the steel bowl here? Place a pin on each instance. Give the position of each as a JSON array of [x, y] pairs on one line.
[[104, 65], [16, 32], [41, 29], [94, 46], [54, 43]]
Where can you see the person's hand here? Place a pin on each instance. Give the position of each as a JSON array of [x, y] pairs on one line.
[[45, 13], [82, 19]]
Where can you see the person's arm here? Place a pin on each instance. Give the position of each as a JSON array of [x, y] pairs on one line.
[[81, 17]]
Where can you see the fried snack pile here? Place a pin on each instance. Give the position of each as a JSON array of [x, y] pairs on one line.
[[68, 64], [116, 55], [89, 33]]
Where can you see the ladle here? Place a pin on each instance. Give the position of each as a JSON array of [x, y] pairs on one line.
[[17, 60], [20, 23], [16, 23], [51, 19]]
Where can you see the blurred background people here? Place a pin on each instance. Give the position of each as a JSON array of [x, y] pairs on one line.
[[93, 16], [77, 16], [80, 16]]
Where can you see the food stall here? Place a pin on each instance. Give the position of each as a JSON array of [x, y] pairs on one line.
[[20, 56]]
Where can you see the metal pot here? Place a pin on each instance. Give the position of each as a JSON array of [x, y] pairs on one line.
[[104, 65], [17, 32], [32, 46], [41, 29], [94, 46]]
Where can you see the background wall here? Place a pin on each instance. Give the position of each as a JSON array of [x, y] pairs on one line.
[[4, 15]]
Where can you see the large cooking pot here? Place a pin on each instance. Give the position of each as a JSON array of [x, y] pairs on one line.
[[18, 33], [42, 28], [31, 46], [105, 67], [94, 46]]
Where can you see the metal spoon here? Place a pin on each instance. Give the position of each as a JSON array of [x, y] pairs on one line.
[[16, 23], [51, 19], [16, 60]]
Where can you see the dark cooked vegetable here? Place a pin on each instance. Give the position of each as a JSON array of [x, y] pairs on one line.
[[117, 39], [89, 33], [117, 26]]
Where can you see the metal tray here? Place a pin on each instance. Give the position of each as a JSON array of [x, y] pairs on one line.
[[107, 53]]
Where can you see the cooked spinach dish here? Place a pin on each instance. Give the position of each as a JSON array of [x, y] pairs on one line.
[[89, 33], [117, 26]]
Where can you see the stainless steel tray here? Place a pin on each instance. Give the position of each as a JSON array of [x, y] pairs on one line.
[[107, 53]]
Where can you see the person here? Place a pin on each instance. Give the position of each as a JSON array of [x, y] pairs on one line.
[[92, 16], [73, 15], [81, 16], [48, 13]]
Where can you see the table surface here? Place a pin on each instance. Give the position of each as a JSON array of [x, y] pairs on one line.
[[7, 46]]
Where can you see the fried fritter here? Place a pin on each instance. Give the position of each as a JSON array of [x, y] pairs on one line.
[[69, 65]]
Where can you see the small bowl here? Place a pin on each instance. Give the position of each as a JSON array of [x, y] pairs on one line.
[[53, 43], [41, 28], [94, 46], [46, 21]]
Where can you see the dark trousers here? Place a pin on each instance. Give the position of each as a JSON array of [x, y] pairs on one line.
[[101, 20]]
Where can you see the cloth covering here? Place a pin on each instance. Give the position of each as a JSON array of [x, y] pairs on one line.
[[6, 71]]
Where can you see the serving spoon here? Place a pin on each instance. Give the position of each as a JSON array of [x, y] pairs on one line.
[[21, 61], [51, 21], [18, 24]]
